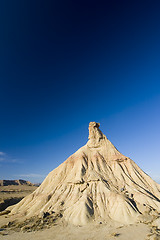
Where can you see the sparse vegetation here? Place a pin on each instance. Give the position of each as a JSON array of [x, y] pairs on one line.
[[115, 234]]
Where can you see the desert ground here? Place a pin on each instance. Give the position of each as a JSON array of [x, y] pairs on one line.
[[12, 194], [60, 230]]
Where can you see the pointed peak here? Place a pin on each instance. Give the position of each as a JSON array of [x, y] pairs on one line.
[[94, 131], [94, 124], [95, 134], [98, 141]]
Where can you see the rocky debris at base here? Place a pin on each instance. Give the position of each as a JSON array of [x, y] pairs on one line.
[[34, 223]]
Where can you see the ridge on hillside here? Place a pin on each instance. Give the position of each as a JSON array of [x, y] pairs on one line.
[[96, 183], [15, 182]]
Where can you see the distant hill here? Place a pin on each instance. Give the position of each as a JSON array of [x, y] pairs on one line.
[[15, 182]]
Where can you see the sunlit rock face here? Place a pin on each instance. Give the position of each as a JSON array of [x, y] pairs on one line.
[[96, 183]]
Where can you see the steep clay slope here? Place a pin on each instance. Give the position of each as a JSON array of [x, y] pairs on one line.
[[96, 183]]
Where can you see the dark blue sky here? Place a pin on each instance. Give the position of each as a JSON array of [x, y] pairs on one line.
[[66, 63]]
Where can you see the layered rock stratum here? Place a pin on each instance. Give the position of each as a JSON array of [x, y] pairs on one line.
[[15, 182], [95, 184]]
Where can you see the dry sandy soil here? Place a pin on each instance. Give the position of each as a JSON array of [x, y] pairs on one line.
[[88, 232], [13, 194], [15, 191]]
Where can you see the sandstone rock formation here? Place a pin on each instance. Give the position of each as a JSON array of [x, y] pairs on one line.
[[96, 183]]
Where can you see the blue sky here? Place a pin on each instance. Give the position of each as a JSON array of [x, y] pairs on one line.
[[66, 63]]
